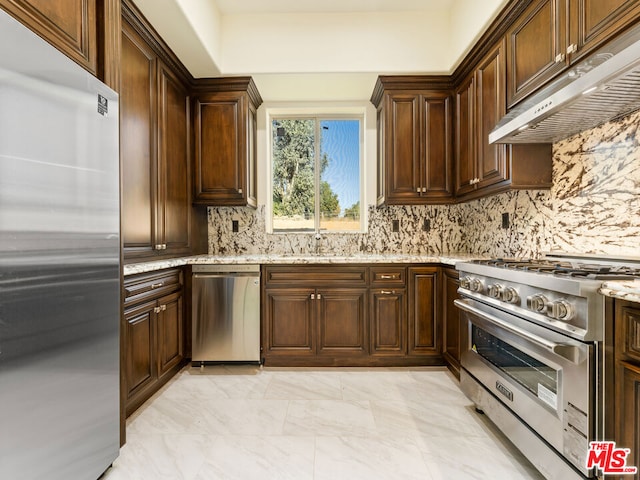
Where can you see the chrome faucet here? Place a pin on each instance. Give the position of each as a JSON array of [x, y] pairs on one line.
[[318, 238]]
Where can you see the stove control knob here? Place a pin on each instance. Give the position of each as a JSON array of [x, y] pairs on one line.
[[510, 295], [476, 285], [560, 310], [465, 282], [495, 290], [537, 302]]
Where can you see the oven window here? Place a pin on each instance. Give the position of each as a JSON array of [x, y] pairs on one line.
[[540, 379]]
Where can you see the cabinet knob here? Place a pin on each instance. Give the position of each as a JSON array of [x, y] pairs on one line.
[[418, 190], [573, 48], [240, 191], [156, 285], [560, 58], [387, 292], [159, 246], [319, 297], [163, 307], [424, 189], [156, 309], [313, 296], [388, 277]]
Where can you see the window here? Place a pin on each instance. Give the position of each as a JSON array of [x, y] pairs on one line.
[[316, 171]]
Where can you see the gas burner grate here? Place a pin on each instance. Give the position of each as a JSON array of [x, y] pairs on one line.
[[564, 269]]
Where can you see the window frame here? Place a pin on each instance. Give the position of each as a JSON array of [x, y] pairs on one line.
[[318, 116]]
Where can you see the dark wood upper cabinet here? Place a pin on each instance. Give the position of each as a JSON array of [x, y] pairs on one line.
[[482, 168], [70, 25], [466, 165], [414, 140], [550, 35], [87, 31], [493, 166], [138, 143], [224, 120], [174, 175], [158, 219]]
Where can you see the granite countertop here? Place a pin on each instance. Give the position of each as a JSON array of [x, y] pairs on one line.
[[623, 289], [262, 259]]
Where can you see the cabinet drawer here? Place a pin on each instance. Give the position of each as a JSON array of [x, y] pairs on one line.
[[150, 285], [395, 276], [314, 275]]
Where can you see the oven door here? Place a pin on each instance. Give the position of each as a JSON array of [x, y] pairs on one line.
[[542, 376]]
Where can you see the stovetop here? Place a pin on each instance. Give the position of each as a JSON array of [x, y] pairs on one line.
[[560, 292], [591, 271]]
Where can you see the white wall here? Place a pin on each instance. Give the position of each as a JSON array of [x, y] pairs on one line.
[[467, 22], [381, 42], [192, 29]]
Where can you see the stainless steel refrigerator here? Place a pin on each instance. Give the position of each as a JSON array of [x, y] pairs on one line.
[[59, 264]]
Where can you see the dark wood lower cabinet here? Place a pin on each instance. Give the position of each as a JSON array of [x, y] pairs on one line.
[[153, 334], [388, 323], [340, 316], [424, 324], [624, 403], [628, 410], [288, 322], [312, 318], [452, 342]]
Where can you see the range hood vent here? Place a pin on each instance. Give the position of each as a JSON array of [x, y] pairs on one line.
[[600, 88]]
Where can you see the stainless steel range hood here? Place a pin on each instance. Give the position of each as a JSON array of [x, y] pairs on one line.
[[603, 86]]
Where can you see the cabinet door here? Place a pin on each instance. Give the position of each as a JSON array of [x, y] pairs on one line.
[[536, 48], [424, 328], [627, 331], [490, 108], [451, 317], [465, 137], [288, 321], [628, 413], [138, 144], [139, 340], [174, 207], [402, 148], [388, 322], [436, 168], [341, 321], [593, 22], [170, 328], [220, 148], [69, 25]]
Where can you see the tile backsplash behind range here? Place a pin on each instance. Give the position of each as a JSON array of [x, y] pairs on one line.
[[593, 207]]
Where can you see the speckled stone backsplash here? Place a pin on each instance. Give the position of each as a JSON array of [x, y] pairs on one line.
[[593, 207], [445, 234]]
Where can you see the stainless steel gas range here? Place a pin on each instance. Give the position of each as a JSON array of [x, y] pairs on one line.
[[533, 354]]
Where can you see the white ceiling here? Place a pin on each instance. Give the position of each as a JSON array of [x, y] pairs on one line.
[[315, 6], [319, 50]]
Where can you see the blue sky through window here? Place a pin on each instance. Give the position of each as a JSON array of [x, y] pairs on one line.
[[341, 142]]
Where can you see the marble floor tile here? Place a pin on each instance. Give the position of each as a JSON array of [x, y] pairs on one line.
[[359, 458], [330, 417], [234, 457], [237, 422], [305, 385]]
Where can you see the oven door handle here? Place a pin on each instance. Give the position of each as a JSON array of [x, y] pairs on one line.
[[568, 352]]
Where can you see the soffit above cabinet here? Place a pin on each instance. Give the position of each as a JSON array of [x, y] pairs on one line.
[[319, 38]]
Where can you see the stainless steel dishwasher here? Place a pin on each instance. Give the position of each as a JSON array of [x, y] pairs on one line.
[[226, 313]]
